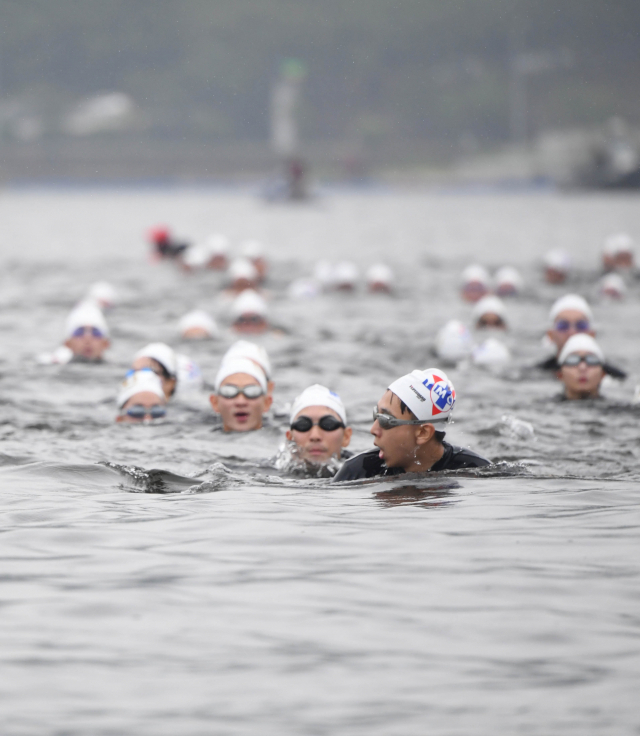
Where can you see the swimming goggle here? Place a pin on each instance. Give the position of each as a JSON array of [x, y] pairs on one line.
[[137, 411], [230, 391], [574, 360], [564, 325], [327, 422], [81, 331], [250, 319], [487, 321], [388, 422]]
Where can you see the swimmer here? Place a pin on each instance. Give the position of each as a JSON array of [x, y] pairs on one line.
[[581, 368], [141, 398], [557, 266], [318, 426], [254, 252], [160, 359], [408, 426], [612, 286], [87, 333], [571, 315], [218, 251], [379, 279], [103, 294], [618, 252], [197, 325], [475, 283], [255, 353], [249, 313], [345, 276], [240, 396], [242, 275], [164, 245], [490, 312], [508, 282]]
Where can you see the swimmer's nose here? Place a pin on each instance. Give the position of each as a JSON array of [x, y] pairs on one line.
[[375, 429]]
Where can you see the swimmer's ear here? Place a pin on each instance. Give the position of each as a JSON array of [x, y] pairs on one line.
[[591, 332], [288, 435], [268, 400], [270, 386], [425, 433], [119, 418], [559, 374], [66, 342], [213, 400], [346, 437]]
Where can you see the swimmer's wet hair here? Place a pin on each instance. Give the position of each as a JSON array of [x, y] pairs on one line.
[[405, 409]]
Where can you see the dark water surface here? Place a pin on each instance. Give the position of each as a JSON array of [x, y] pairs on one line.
[[168, 580]]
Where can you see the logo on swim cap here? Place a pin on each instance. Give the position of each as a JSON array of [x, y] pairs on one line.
[[442, 393]]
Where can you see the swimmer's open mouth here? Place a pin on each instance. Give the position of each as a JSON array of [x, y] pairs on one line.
[[241, 416]]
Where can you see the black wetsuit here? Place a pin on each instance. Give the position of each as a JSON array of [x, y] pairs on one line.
[[551, 364], [368, 464]]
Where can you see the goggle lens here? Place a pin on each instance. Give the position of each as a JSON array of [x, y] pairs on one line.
[[230, 391], [581, 325], [327, 423], [81, 331], [575, 360], [137, 411]]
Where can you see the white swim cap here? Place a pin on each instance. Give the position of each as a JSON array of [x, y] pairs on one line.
[[217, 244], [379, 273], [580, 343], [429, 394], [240, 365], [613, 285], [318, 395], [104, 294], [324, 272], [241, 268], [251, 249], [303, 289], [251, 351], [196, 255], [248, 302], [489, 305], [491, 353], [137, 382], [619, 243], [200, 319], [189, 374], [86, 314], [161, 353], [508, 276], [345, 274], [453, 341], [475, 274], [573, 302], [558, 260]]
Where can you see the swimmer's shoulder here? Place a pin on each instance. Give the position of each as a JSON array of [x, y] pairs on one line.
[[456, 457], [365, 465]]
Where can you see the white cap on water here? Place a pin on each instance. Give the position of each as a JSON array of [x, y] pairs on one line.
[[617, 244], [508, 276], [242, 268], [250, 351], [453, 341], [558, 260], [240, 365], [580, 343], [318, 395], [345, 274], [86, 314], [137, 383], [248, 302], [303, 289], [489, 305], [252, 249], [217, 244], [572, 302], [198, 319], [379, 273], [103, 293], [429, 394], [475, 274], [613, 285], [491, 353], [161, 353]]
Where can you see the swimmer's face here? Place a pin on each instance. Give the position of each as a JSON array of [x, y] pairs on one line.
[[574, 321], [242, 283], [379, 287], [491, 320], [473, 291], [623, 260], [240, 414], [146, 399], [260, 265], [88, 342], [554, 276], [581, 381], [218, 262], [397, 445], [250, 324], [168, 383], [196, 333], [318, 445]]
